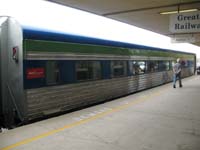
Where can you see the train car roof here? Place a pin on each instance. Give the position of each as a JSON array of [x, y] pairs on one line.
[[36, 34]]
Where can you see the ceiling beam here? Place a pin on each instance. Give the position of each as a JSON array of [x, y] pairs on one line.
[[149, 8]]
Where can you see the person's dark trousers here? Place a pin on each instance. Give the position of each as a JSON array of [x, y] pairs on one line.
[[178, 76], [175, 78]]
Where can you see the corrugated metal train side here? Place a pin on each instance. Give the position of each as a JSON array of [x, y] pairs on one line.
[[48, 73]]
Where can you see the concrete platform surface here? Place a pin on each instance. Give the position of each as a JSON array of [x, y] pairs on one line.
[[161, 118]]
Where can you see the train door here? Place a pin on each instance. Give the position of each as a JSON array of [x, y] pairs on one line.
[[11, 72]]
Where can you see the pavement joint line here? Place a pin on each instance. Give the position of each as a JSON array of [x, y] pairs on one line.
[[83, 121]]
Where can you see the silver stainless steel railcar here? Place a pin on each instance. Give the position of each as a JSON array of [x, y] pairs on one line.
[[43, 73]]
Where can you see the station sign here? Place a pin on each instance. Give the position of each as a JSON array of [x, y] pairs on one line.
[[185, 22], [184, 38]]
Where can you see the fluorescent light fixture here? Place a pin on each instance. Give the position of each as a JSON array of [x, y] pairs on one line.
[[176, 11]]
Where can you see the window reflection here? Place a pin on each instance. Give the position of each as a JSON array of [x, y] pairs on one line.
[[88, 70], [118, 68]]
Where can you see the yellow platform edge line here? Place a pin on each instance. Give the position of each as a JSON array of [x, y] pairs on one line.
[[112, 110]]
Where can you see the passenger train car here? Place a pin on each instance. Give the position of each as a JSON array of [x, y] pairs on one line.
[[44, 72]]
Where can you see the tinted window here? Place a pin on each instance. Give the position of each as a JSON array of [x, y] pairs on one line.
[[139, 67], [88, 70], [152, 66], [190, 63], [118, 68], [52, 72], [164, 65]]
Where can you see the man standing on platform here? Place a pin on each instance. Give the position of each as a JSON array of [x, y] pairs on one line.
[[177, 73]]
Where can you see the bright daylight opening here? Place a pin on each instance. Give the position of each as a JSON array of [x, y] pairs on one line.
[[49, 16]]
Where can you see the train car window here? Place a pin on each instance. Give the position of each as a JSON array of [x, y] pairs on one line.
[[170, 65], [190, 63], [184, 63], [164, 65], [139, 67], [88, 70], [152, 66], [52, 72], [118, 68], [142, 67], [173, 63]]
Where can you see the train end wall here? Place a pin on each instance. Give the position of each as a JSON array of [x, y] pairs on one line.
[[11, 61]]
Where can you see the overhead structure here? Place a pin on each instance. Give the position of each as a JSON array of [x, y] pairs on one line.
[[140, 13]]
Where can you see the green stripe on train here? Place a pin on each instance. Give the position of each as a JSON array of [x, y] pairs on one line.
[[35, 46]]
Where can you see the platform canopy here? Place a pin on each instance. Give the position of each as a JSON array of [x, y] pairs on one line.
[[142, 13]]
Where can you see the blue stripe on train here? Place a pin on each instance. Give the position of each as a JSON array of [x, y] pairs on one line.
[[67, 72]]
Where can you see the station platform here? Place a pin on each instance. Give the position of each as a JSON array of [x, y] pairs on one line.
[[161, 118]]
